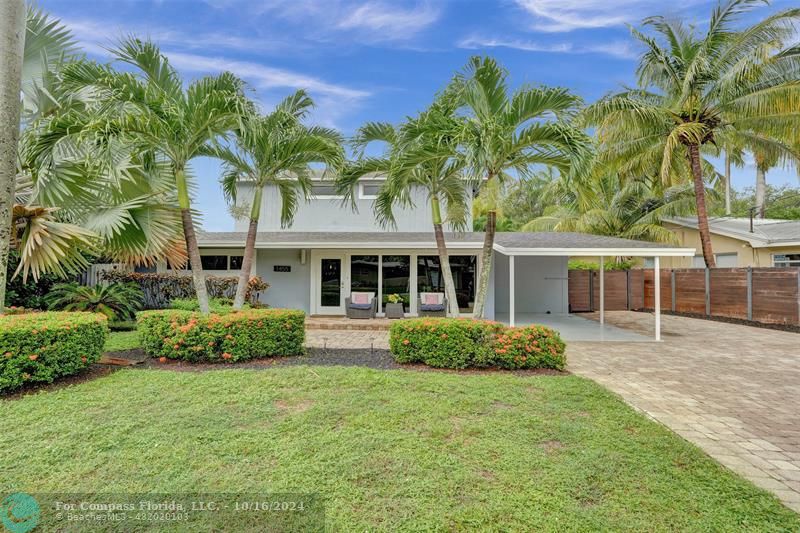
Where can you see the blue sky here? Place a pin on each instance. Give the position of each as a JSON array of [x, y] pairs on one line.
[[378, 59]]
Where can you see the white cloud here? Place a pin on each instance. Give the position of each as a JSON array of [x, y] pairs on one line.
[[568, 15], [359, 20], [263, 76], [620, 49], [388, 22]]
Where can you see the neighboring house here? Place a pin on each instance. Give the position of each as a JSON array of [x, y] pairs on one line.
[[330, 251], [771, 243]]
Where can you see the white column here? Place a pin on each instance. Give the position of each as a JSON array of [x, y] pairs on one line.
[[511, 290], [657, 294], [602, 291]]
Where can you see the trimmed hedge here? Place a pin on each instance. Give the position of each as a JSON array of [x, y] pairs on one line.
[[227, 337], [40, 347], [160, 289], [464, 343]]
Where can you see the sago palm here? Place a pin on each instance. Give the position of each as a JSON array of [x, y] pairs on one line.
[[153, 107], [512, 133], [118, 301], [276, 149], [420, 154], [699, 89]]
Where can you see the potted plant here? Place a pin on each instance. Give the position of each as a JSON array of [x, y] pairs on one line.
[[394, 306]]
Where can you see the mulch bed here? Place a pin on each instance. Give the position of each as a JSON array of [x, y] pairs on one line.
[[377, 359]]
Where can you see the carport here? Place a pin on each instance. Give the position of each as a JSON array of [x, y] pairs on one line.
[[531, 273]]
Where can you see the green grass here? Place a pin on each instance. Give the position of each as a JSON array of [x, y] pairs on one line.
[[122, 340], [388, 450]]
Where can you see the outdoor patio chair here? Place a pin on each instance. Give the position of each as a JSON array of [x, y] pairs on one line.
[[432, 304], [361, 305]]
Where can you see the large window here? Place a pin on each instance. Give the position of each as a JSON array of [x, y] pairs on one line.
[[464, 269], [786, 260], [364, 273], [324, 190], [397, 277], [214, 262]]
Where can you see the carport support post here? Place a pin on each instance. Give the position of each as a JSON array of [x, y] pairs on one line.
[[657, 294], [602, 290], [511, 290]]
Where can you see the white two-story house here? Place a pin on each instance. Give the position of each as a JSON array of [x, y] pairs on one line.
[[331, 250]]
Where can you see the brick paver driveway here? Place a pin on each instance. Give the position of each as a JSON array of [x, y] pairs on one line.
[[732, 390]]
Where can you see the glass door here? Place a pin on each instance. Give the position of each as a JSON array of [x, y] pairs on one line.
[[330, 285]]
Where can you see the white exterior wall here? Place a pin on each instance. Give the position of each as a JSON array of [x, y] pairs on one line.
[[325, 214], [540, 283]]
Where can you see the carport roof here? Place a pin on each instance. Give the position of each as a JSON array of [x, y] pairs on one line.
[[507, 243]]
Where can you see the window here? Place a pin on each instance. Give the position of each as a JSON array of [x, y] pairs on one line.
[[236, 262], [463, 268], [698, 262], [364, 273], [397, 277], [324, 191], [368, 190], [214, 262], [728, 260], [786, 260]]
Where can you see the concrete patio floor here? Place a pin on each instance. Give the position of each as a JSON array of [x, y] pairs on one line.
[[732, 390], [574, 327]]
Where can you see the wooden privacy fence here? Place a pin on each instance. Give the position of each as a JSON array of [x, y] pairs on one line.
[[768, 295]]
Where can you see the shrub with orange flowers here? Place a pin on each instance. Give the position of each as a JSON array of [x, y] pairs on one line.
[[222, 337], [465, 343], [40, 347]]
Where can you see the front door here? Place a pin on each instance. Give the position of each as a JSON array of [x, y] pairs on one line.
[[330, 284]]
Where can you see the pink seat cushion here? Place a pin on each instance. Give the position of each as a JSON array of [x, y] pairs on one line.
[[432, 298], [361, 297]]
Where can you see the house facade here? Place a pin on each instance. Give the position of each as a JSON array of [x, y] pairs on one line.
[[767, 243], [332, 250]]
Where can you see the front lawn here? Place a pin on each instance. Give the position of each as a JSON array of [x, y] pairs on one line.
[[388, 450], [122, 340]]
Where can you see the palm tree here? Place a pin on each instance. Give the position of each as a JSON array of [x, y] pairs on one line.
[[764, 162], [276, 149], [509, 133], [697, 90], [12, 35], [421, 154], [117, 301], [154, 108], [617, 207]]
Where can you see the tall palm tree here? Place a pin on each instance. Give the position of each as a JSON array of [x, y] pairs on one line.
[[276, 149], [701, 89], [152, 106], [421, 154], [12, 47], [507, 133], [765, 160]]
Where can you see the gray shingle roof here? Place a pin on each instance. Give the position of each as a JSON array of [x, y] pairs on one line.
[[766, 232], [540, 240]]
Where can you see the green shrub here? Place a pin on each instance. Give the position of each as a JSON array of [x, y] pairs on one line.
[[118, 301], [161, 288], [216, 305], [227, 337], [464, 343], [444, 342], [40, 347], [529, 347]]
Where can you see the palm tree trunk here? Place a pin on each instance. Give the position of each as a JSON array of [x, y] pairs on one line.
[[486, 263], [700, 200], [12, 49], [249, 248], [761, 190], [444, 259], [198, 276], [727, 183], [247, 264]]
